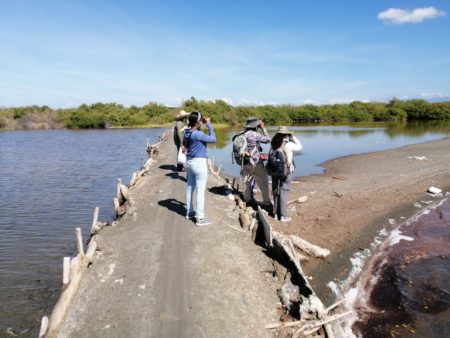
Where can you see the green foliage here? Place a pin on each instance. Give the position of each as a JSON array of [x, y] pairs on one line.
[[107, 115]]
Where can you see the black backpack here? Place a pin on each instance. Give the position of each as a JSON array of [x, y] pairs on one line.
[[276, 164]]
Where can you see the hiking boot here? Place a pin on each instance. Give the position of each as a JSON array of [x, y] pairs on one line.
[[203, 222], [285, 219]]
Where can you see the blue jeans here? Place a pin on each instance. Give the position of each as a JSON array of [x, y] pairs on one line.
[[197, 174]]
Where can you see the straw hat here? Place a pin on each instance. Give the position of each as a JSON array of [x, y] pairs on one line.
[[284, 130], [181, 115]]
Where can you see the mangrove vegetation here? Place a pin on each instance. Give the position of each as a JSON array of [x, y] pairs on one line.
[[113, 115]]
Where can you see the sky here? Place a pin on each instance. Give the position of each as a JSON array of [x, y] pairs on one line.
[[66, 53]]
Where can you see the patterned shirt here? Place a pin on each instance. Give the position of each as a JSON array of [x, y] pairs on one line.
[[253, 142]]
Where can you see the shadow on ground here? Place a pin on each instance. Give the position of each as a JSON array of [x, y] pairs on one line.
[[176, 175], [174, 205], [168, 167]]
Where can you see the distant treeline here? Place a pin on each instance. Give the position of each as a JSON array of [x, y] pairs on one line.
[[109, 115]]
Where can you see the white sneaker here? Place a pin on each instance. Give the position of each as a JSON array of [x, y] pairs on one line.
[[190, 215], [285, 219], [203, 222]]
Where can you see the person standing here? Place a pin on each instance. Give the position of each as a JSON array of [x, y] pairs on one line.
[[255, 169], [196, 143], [178, 133], [285, 142]]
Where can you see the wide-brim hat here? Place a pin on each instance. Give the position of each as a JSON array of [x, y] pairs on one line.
[[252, 122], [284, 130], [181, 115]]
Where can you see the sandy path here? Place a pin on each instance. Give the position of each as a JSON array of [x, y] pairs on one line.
[[357, 196], [161, 276]]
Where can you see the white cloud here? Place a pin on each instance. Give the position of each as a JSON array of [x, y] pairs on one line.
[[401, 16]]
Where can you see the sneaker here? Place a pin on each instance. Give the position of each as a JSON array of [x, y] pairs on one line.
[[202, 222], [285, 219], [266, 204], [190, 215]]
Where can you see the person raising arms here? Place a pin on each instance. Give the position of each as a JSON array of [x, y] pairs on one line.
[[196, 143]]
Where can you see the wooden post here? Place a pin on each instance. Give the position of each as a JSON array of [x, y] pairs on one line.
[[65, 299], [118, 194], [94, 220], [133, 179], [44, 327], [116, 204], [79, 241], [90, 252], [66, 270]]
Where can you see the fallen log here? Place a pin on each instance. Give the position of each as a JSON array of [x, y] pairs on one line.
[[310, 249]]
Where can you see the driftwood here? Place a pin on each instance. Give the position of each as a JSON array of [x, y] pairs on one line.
[[301, 199], [309, 328], [66, 271], [311, 305], [310, 249]]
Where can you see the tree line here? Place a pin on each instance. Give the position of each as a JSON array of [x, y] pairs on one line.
[[113, 115]]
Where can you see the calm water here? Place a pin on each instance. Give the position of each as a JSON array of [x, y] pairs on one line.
[[322, 143], [50, 182]]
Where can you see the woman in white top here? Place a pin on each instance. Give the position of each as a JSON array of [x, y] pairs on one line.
[[286, 142]]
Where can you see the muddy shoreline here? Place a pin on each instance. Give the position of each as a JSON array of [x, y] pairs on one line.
[[356, 197]]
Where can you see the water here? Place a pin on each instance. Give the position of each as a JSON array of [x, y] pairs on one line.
[[411, 290], [51, 181], [322, 143]]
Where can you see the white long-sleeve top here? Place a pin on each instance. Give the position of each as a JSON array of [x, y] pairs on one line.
[[289, 148]]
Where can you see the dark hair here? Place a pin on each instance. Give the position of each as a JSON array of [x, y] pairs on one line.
[[277, 141], [194, 118]]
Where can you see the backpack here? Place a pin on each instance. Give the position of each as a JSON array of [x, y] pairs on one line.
[[276, 164], [240, 155]]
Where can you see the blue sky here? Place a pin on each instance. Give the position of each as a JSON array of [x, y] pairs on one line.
[[65, 53]]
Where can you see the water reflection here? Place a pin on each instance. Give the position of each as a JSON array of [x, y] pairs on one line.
[[322, 143]]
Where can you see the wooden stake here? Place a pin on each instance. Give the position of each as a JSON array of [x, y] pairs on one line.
[[118, 193], [66, 270], [44, 327], [79, 241], [133, 179], [65, 299], [91, 252], [94, 220]]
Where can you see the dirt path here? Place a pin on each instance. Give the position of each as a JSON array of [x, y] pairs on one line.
[[161, 276]]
